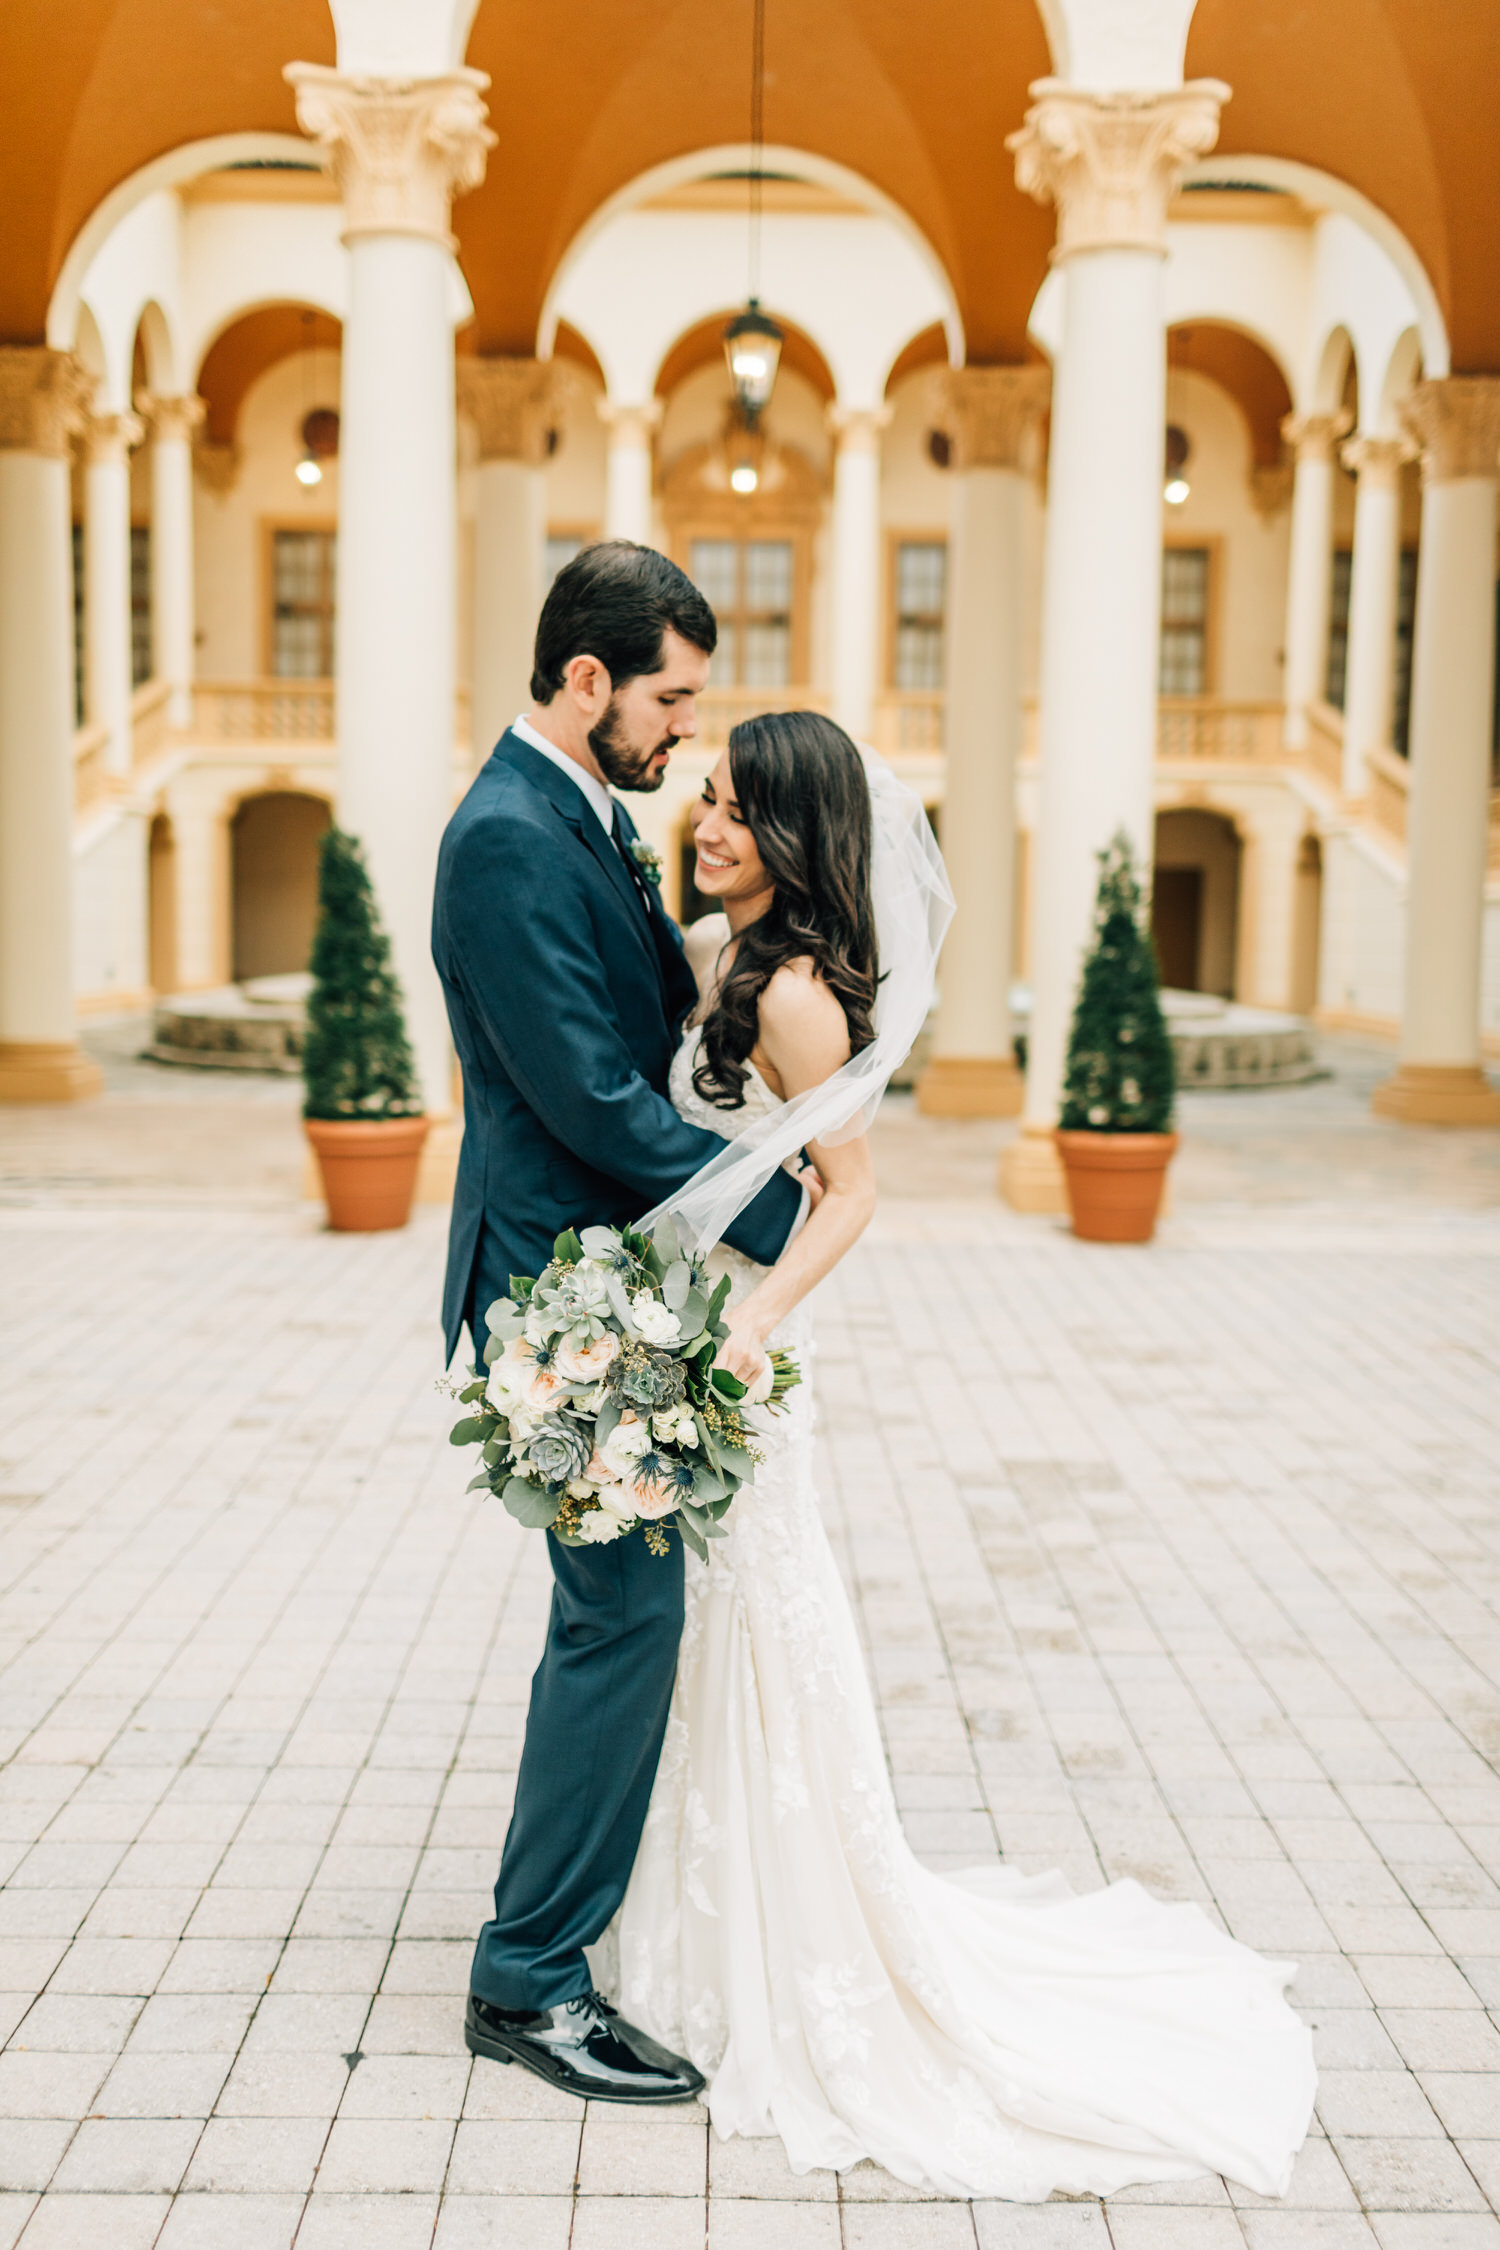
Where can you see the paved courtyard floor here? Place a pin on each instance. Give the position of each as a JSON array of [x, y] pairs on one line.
[[1181, 1563]]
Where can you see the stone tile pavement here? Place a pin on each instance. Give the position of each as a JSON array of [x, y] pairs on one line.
[[1180, 1563]]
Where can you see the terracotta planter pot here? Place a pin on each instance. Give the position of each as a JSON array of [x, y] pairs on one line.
[[369, 1168], [1115, 1182]]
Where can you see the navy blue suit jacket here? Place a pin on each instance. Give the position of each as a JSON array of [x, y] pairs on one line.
[[566, 996]]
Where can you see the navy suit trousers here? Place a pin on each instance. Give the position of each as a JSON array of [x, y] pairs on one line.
[[599, 1703]]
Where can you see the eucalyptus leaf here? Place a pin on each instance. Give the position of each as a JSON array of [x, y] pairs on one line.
[[677, 1286], [495, 1450], [701, 1521], [691, 1311], [483, 1478], [467, 1432], [665, 1242], [614, 1289], [471, 1392], [691, 1538], [531, 1504], [599, 1242], [607, 1420], [504, 1318], [707, 1484]]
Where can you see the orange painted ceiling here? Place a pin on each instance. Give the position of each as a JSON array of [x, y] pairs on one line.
[[1395, 96], [1246, 370], [242, 354]]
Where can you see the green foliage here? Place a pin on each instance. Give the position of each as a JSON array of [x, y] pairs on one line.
[[356, 1062], [1121, 1075]]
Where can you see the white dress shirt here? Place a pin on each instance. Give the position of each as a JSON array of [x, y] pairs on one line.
[[593, 789]]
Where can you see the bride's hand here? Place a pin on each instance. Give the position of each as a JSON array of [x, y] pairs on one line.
[[743, 1350]]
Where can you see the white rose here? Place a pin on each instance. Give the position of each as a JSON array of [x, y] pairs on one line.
[[627, 1441], [579, 1488], [599, 1526], [616, 1501], [652, 1319], [525, 1421], [522, 1469], [687, 1428]]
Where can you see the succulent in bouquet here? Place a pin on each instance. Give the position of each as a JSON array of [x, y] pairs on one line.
[[602, 1411]]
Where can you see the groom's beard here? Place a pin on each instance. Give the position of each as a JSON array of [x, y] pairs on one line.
[[623, 766]]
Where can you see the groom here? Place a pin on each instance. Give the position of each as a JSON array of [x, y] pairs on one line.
[[567, 987]]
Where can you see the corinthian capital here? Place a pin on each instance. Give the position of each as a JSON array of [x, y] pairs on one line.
[[627, 424], [401, 149], [1455, 419], [857, 429], [988, 412], [1376, 461], [510, 402], [44, 398], [1110, 162], [109, 437], [168, 417], [1312, 437]]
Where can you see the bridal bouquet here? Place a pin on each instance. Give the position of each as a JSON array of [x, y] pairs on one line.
[[603, 1409]]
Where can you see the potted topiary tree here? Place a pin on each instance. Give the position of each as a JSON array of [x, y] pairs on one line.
[[1115, 1133], [362, 1112]]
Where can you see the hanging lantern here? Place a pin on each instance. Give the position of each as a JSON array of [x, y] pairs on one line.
[[1176, 488], [752, 348]]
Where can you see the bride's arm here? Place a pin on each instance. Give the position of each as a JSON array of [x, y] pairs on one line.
[[803, 1040]]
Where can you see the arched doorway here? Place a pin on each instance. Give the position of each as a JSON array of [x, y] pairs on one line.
[[273, 844], [1195, 901], [161, 904], [1307, 926]]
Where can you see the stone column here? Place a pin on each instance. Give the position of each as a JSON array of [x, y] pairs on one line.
[[400, 151], [627, 473], [1312, 438], [989, 413], [1110, 163], [107, 685], [509, 402], [1439, 1079], [43, 397], [1370, 672], [172, 422], [856, 564]]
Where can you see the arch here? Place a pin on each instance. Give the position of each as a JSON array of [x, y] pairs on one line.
[[1195, 898], [735, 158], [702, 345], [1402, 369], [153, 340], [1325, 191], [246, 347], [161, 904], [1307, 925], [1336, 359], [174, 169], [928, 348], [1244, 366], [88, 344], [274, 836]]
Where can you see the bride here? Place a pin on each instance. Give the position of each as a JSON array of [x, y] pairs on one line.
[[985, 2034]]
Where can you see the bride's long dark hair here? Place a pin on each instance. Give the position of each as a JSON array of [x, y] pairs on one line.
[[800, 787]]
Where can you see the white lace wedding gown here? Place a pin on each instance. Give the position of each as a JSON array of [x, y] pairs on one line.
[[981, 2035]]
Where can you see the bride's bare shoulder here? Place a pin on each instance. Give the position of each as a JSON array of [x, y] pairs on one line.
[[803, 1030]]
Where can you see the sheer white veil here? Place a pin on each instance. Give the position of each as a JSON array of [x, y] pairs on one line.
[[913, 906]]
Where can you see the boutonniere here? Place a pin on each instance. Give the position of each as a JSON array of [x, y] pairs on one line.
[[647, 858]]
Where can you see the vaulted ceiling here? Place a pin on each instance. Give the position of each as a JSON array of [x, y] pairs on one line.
[[1394, 96]]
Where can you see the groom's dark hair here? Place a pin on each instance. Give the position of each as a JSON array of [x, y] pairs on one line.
[[617, 602]]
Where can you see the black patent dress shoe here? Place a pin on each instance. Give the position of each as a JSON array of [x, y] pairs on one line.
[[585, 2046]]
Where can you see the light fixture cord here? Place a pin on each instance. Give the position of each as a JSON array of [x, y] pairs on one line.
[[757, 137], [307, 368]]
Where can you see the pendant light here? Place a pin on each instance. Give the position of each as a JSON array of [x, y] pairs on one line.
[[1175, 485], [309, 469], [752, 341]]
